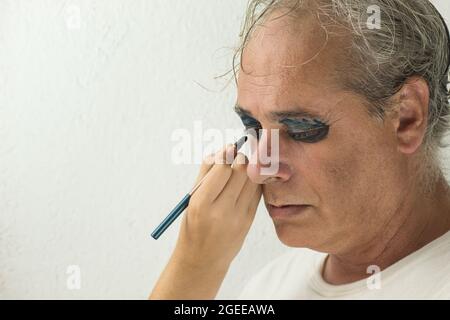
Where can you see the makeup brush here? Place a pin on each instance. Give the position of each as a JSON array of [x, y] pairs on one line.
[[182, 205]]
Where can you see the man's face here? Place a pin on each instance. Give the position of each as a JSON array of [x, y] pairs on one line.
[[348, 178]]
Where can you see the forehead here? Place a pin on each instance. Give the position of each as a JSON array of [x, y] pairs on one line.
[[288, 64], [280, 43]]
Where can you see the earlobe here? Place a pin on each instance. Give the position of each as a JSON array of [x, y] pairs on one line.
[[411, 113]]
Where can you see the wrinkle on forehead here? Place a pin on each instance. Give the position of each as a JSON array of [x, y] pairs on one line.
[[289, 63], [284, 49]]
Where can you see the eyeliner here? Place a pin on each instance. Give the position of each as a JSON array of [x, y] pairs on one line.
[[182, 205]]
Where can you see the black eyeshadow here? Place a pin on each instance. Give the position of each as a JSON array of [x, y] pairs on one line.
[[302, 130]]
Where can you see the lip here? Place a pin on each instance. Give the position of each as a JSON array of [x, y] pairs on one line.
[[286, 211]]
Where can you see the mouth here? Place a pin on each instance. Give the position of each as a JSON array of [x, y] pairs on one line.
[[286, 211]]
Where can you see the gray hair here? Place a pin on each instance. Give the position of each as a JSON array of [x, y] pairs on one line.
[[412, 41]]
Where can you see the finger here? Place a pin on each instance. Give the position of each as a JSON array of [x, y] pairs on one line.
[[248, 195], [227, 155], [237, 180], [210, 160], [214, 183], [251, 206], [255, 201], [216, 179], [207, 164]]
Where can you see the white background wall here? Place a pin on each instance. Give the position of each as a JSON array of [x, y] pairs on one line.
[[90, 93]]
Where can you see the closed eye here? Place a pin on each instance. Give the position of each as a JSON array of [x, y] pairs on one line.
[[306, 130], [251, 125], [311, 135], [301, 130]]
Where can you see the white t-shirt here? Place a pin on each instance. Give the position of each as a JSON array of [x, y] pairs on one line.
[[424, 274]]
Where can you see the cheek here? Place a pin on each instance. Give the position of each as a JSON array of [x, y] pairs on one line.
[[334, 172], [334, 176], [349, 163], [342, 175], [355, 180]]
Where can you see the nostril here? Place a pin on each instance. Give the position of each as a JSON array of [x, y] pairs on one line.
[[270, 180]]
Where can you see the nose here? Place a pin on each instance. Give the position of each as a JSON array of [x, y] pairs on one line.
[[264, 162]]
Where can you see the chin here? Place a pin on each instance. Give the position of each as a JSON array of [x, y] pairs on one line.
[[292, 236]]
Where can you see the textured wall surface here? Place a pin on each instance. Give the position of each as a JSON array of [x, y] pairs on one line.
[[90, 93]]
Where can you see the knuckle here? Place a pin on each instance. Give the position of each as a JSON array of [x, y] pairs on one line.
[[226, 169], [239, 168], [240, 160]]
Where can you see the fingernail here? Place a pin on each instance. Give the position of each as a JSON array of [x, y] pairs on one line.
[[230, 152], [240, 159]]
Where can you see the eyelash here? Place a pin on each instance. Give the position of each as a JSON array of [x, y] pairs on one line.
[[311, 135], [308, 136]]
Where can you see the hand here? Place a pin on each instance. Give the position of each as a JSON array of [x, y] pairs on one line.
[[220, 212], [212, 231]]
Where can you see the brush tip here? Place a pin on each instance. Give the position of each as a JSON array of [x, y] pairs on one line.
[[241, 142]]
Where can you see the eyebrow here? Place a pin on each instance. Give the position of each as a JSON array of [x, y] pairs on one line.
[[296, 113]]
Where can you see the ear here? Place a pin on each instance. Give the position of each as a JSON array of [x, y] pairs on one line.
[[411, 114]]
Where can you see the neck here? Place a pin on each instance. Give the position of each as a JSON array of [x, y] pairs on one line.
[[420, 219]]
